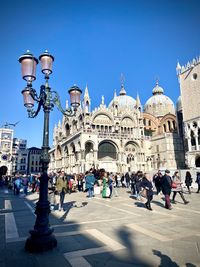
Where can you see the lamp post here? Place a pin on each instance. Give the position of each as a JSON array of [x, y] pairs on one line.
[[41, 237]]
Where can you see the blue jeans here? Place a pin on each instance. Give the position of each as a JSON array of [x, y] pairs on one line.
[[25, 189], [90, 192], [111, 189], [62, 197]]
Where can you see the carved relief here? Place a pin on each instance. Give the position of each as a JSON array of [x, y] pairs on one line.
[[127, 122], [101, 119]]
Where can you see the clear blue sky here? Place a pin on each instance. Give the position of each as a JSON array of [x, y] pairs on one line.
[[93, 42]]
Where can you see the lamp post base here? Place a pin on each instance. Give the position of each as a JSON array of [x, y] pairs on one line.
[[38, 242]]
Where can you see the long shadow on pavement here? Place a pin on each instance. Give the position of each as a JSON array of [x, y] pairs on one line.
[[165, 261]]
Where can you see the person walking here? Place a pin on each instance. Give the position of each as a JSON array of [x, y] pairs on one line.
[[177, 188], [90, 181], [123, 180], [110, 183], [61, 188], [80, 182], [188, 181], [52, 190], [198, 181], [166, 186], [127, 178], [157, 179], [138, 180], [105, 185], [146, 183], [17, 185], [25, 184], [133, 184]]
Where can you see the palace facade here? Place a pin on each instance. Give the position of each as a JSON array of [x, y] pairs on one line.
[[189, 110], [120, 137]]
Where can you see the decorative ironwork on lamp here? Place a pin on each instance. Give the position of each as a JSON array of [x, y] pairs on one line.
[[41, 238]]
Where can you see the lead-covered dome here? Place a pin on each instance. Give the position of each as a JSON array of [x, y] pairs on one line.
[[159, 104], [123, 101]]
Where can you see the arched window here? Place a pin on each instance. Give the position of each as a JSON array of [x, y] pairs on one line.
[[144, 121], [67, 129], [174, 125], [164, 128], [107, 149], [149, 123], [193, 142], [169, 125]]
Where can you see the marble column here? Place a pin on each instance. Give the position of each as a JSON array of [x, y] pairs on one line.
[[196, 141]]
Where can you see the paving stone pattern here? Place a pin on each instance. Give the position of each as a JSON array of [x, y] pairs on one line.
[[116, 232]]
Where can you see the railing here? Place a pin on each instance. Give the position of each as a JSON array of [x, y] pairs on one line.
[[117, 135], [147, 137]]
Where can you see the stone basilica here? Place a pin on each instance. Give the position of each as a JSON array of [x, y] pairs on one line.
[[121, 137]]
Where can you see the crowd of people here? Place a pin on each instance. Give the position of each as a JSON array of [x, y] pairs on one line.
[[141, 185]]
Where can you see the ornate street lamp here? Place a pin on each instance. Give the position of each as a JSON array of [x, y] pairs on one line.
[[41, 237]]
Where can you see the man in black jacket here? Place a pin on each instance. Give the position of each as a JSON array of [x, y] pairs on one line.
[[166, 188]]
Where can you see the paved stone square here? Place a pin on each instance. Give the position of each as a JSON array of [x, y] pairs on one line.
[[104, 232]]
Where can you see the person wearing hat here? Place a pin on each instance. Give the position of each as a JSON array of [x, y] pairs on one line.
[[166, 188]]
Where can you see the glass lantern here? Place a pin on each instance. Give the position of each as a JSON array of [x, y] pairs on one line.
[[75, 95], [28, 99], [28, 66], [46, 61]]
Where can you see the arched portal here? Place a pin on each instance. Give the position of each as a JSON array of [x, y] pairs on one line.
[[89, 155], [107, 150], [89, 150], [107, 156]]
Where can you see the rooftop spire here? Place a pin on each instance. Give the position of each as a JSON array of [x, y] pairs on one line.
[[138, 103], [115, 94], [178, 68], [102, 100], [122, 91], [86, 94], [157, 80]]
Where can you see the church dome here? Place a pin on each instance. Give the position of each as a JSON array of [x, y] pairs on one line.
[[179, 104], [123, 101], [159, 104]]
